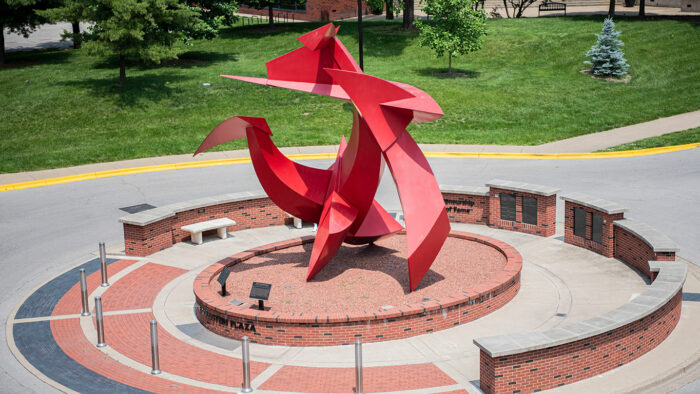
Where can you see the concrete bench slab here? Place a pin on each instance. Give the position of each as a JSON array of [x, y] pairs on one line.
[[196, 229]]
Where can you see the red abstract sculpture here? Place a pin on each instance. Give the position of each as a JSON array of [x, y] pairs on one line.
[[341, 198]]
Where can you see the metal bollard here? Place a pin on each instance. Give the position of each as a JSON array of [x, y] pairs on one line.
[[358, 367], [103, 264], [246, 366], [84, 294], [100, 322], [154, 348]]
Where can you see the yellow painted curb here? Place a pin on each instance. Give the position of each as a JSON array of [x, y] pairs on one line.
[[325, 156]]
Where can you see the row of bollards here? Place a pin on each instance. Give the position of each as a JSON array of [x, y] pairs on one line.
[[155, 362]]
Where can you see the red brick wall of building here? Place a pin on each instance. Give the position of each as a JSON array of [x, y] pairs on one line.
[[145, 240], [546, 213], [635, 252], [560, 365], [607, 247], [316, 10]]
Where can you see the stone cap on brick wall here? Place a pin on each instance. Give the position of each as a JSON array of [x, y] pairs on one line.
[[473, 190], [596, 203], [149, 216], [658, 242], [667, 284], [523, 187]]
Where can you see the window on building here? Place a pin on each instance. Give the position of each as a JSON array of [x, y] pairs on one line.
[[597, 228], [580, 222], [507, 206], [530, 210]]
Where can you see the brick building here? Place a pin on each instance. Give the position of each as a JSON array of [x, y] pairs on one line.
[[310, 10]]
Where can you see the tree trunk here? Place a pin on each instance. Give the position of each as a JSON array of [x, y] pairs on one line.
[[76, 34], [641, 8], [270, 15], [505, 5], [122, 70], [2, 44], [389, 10], [449, 72], [408, 14]]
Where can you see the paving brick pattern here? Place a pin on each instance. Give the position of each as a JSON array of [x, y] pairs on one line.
[[139, 288], [43, 301], [36, 343], [70, 303], [112, 376], [560, 365], [342, 380], [129, 335]]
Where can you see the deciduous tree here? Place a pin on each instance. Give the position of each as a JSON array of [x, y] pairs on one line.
[[455, 28], [18, 16]]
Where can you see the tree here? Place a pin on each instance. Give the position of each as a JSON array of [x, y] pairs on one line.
[[18, 16], [455, 28], [149, 30], [71, 11], [270, 5], [408, 15], [518, 7], [606, 56], [214, 14], [611, 9]]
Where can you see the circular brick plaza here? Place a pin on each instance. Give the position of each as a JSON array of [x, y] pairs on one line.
[[363, 293]]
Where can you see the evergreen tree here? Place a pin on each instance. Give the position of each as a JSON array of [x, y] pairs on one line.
[[606, 56], [18, 16], [149, 30], [215, 14], [455, 27], [71, 11]]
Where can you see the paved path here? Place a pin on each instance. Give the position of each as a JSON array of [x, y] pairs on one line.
[[46, 230]]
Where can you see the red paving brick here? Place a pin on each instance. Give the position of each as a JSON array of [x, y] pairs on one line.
[[342, 380], [139, 288], [70, 303], [70, 338], [129, 335]]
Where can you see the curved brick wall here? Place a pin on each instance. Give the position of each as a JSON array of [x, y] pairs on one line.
[[289, 329]]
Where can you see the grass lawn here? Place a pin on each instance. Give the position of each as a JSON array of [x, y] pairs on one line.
[[689, 136], [524, 87]]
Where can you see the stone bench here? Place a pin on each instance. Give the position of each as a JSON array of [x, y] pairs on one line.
[[196, 229]]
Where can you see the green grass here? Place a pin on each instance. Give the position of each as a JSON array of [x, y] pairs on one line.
[[689, 136], [525, 87]]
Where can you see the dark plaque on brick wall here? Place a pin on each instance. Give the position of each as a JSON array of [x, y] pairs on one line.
[[260, 291], [530, 210], [222, 279], [580, 222], [597, 228], [507, 206]]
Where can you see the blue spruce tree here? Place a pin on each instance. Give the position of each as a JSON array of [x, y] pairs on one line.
[[606, 56]]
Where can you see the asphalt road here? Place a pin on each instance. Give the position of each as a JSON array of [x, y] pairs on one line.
[[44, 231]]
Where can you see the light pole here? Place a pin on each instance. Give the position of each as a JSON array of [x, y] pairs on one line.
[[359, 32]]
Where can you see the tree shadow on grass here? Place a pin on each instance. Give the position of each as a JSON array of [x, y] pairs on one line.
[[35, 58], [185, 60], [138, 90], [441, 72]]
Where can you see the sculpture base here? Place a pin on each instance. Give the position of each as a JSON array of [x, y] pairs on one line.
[[361, 294]]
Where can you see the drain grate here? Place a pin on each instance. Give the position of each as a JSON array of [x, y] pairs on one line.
[[137, 208]]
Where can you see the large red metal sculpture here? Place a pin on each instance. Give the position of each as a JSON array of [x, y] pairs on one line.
[[341, 198]]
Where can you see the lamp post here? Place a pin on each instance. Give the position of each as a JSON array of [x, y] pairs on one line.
[[359, 32]]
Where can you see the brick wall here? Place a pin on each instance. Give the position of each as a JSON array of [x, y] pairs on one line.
[[637, 253], [145, 240], [467, 208], [560, 365], [546, 213], [607, 246], [274, 328], [316, 10]]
